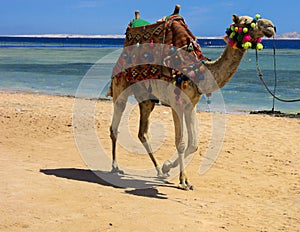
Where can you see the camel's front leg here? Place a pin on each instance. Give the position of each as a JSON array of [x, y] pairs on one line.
[[180, 146]]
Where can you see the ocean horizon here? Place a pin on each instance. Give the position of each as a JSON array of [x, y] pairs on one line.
[[117, 41]]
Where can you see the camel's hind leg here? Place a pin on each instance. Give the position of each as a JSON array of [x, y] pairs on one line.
[[119, 99], [146, 107]]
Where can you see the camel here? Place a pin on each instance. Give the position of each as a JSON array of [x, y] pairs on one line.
[[222, 70]]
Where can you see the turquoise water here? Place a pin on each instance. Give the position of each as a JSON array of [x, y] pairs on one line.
[[58, 71]]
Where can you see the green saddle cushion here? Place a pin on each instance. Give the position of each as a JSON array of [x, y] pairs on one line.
[[139, 23]]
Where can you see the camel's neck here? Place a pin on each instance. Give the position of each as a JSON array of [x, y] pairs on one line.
[[225, 66]]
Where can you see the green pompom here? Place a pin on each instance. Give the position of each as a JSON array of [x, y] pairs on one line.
[[240, 37]]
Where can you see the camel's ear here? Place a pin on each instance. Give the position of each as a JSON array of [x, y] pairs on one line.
[[235, 18]]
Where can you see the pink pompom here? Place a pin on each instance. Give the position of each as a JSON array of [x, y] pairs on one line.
[[247, 38], [240, 30], [191, 74], [259, 40], [231, 43]]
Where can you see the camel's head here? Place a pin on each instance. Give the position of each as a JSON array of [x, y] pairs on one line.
[[258, 27], [246, 32]]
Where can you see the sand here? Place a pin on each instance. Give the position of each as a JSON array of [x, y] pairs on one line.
[[254, 185]]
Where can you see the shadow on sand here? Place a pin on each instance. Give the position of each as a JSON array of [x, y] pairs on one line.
[[144, 188]]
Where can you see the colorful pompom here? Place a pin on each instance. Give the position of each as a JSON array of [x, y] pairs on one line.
[[202, 68], [201, 77], [172, 49], [259, 40], [178, 81], [247, 38], [247, 45], [151, 43], [191, 74], [185, 84], [240, 37], [259, 46], [231, 43]]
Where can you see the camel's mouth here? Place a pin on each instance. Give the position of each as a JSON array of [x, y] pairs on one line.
[[269, 31], [267, 27]]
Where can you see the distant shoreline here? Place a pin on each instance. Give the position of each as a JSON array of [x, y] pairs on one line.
[[285, 36]]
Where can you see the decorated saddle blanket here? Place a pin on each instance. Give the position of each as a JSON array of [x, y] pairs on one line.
[[151, 50]]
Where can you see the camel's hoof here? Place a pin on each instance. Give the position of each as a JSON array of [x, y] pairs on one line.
[[166, 167], [185, 186], [159, 173], [117, 170]]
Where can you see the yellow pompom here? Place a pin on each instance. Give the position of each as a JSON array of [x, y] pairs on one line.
[[259, 46], [257, 16], [185, 84], [253, 25], [245, 30], [202, 68], [247, 45]]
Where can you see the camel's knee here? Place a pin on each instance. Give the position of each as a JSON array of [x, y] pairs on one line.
[[181, 148], [113, 134], [120, 105]]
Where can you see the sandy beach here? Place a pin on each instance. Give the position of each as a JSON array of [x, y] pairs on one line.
[[254, 185]]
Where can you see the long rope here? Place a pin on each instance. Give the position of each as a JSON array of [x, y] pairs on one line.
[[275, 72], [273, 94]]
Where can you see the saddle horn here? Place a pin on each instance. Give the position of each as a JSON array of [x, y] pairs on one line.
[[137, 14], [176, 10]]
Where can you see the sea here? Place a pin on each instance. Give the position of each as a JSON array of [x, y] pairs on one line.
[[57, 66]]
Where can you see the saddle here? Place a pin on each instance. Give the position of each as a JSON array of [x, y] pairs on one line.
[[147, 46]]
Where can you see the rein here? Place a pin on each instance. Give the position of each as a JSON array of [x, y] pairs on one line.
[[259, 73]]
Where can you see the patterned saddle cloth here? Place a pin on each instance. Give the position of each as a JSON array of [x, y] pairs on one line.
[[147, 47]]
